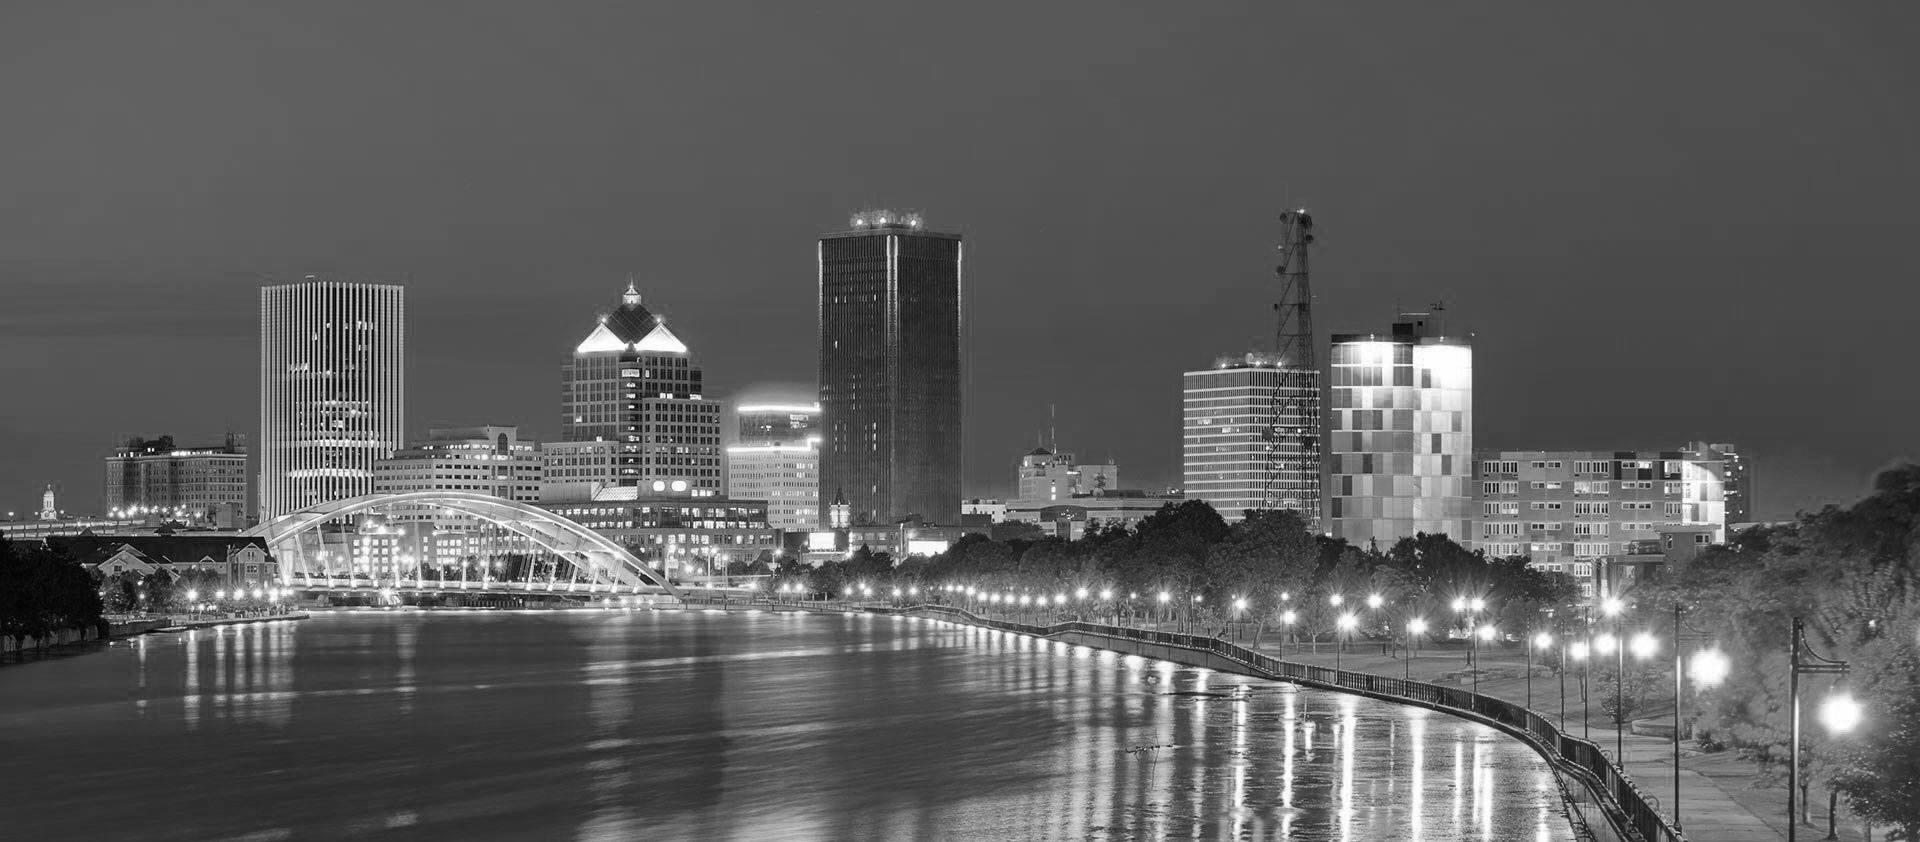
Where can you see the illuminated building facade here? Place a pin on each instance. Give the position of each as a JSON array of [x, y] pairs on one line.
[[1736, 479], [777, 459], [199, 486], [491, 460], [890, 323], [634, 384], [332, 390], [1245, 438], [684, 536], [1055, 475], [1582, 512], [1400, 430]]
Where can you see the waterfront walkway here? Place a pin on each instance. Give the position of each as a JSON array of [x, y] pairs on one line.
[[1717, 795]]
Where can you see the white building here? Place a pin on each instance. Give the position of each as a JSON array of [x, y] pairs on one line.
[[332, 390], [777, 459], [1400, 421], [1248, 437]]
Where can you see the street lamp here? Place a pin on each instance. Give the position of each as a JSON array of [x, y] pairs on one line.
[[1840, 713], [1617, 646], [1347, 622], [1579, 652], [1415, 627], [1542, 640], [1483, 633], [1286, 628], [1239, 610]]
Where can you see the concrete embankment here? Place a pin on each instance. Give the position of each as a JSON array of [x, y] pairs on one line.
[[229, 621]]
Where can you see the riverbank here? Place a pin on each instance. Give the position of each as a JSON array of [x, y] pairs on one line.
[[1717, 793], [192, 624], [1597, 796]]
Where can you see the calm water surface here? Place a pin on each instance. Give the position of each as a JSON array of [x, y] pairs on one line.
[[692, 725]]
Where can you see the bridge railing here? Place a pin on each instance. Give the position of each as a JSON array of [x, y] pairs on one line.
[[1633, 813]]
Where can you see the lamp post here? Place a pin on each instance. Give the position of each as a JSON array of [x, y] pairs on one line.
[[1542, 640], [1239, 610], [1840, 713], [1613, 607], [1416, 626], [1347, 622], [1334, 600], [1579, 651], [1286, 628], [1483, 633]]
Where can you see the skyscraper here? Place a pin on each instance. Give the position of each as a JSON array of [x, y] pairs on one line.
[[1243, 441], [1400, 423], [633, 384], [777, 459], [890, 321], [332, 389]]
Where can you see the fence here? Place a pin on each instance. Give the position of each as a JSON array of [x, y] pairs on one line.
[[1632, 813]]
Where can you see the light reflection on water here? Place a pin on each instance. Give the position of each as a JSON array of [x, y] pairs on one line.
[[630, 725]]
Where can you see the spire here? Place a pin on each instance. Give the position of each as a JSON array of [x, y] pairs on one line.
[[632, 295]]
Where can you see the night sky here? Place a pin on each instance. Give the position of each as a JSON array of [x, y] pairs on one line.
[[1661, 221]]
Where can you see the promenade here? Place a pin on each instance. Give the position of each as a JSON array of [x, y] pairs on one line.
[[1717, 796]]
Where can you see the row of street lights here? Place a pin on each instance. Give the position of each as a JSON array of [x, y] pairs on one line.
[[1707, 667]]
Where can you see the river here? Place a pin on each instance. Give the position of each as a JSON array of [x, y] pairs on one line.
[[701, 725]]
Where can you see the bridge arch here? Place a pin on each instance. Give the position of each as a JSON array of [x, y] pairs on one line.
[[591, 553]]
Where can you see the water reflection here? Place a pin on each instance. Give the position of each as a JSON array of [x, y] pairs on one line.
[[618, 725]]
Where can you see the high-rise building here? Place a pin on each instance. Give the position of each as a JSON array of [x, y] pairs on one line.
[[1055, 475], [1581, 512], [1737, 479], [777, 459], [890, 320], [1400, 430], [196, 485], [332, 390], [633, 384], [1241, 436]]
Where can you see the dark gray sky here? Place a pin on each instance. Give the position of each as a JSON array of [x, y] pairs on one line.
[[1662, 221]]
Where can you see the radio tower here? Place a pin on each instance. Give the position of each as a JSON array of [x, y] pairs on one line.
[[1293, 440]]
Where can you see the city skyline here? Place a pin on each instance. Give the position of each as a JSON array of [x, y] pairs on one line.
[[1556, 243]]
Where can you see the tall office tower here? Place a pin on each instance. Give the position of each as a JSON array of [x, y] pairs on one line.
[[1055, 475], [1737, 479], [631, 382], [890, 321], [1401, 434], [777, 459], [332, 390], [1230, 413], [198, 485], [1582, 512]]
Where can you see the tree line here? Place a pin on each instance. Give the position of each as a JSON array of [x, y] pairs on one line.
[[1267, 562], [43, 591]]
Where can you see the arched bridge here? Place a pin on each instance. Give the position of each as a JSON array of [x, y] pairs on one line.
[[360, 543]]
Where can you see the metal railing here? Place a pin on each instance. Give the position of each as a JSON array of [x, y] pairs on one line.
[[1633, 813]]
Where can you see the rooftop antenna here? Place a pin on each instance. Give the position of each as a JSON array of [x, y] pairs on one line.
[[1053, 432]]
